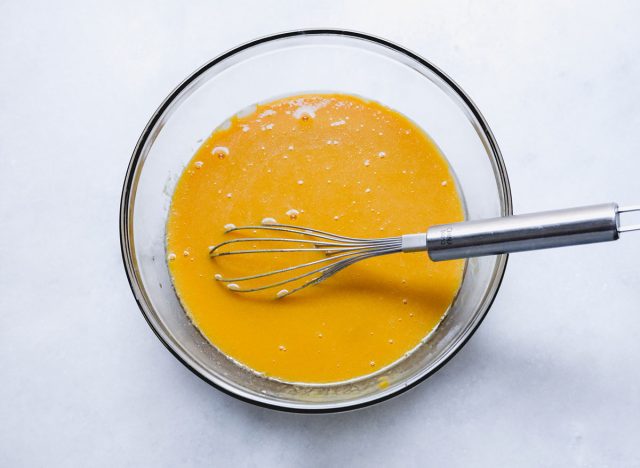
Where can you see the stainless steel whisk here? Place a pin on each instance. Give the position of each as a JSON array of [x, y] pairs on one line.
[[574, 226]]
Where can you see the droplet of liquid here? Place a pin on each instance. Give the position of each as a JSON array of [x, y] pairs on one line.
[[293, 214], [233, 286], [282, 293], [268, 221], [228, 227], [217, 276]]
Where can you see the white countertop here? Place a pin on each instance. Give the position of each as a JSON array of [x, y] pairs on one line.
[[551, 378]]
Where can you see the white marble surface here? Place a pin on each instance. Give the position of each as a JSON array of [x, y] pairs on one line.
[[551, 378]]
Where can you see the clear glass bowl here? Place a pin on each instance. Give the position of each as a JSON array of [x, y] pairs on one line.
[[294, 62]]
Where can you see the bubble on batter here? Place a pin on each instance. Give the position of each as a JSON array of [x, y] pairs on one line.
[[267, 112], [300, 182], [233, 287], [198, 164], [217, 276], [282, 293], [229, 226], [382, 154], [367, 190], [268, 221], [171, 257], [337, 123], [444, 183], [229, 195], [305, 112], [220, 151], [282, 348], [367, 162], [292, 213], [246, 128]]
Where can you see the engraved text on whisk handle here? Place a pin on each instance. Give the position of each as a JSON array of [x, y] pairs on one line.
[[559, 228]]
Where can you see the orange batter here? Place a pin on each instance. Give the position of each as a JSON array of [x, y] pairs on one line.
[[333, 162]]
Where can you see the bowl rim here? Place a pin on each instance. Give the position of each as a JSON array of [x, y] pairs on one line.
[[130, 183]]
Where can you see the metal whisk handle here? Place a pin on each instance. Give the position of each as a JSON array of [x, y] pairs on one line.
[[559, 228]]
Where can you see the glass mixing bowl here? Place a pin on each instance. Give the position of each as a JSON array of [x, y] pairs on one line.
[[282, 64]]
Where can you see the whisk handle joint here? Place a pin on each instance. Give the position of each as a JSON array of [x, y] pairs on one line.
[[559, 228]]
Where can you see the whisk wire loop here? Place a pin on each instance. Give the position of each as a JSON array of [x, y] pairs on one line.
[[340, 252]]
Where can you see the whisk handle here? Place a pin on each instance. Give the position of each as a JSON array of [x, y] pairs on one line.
[[559, 228]]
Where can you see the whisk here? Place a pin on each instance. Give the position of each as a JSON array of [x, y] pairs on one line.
[[559, 228]]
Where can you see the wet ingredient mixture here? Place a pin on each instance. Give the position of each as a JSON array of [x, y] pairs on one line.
[[334, 162]]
